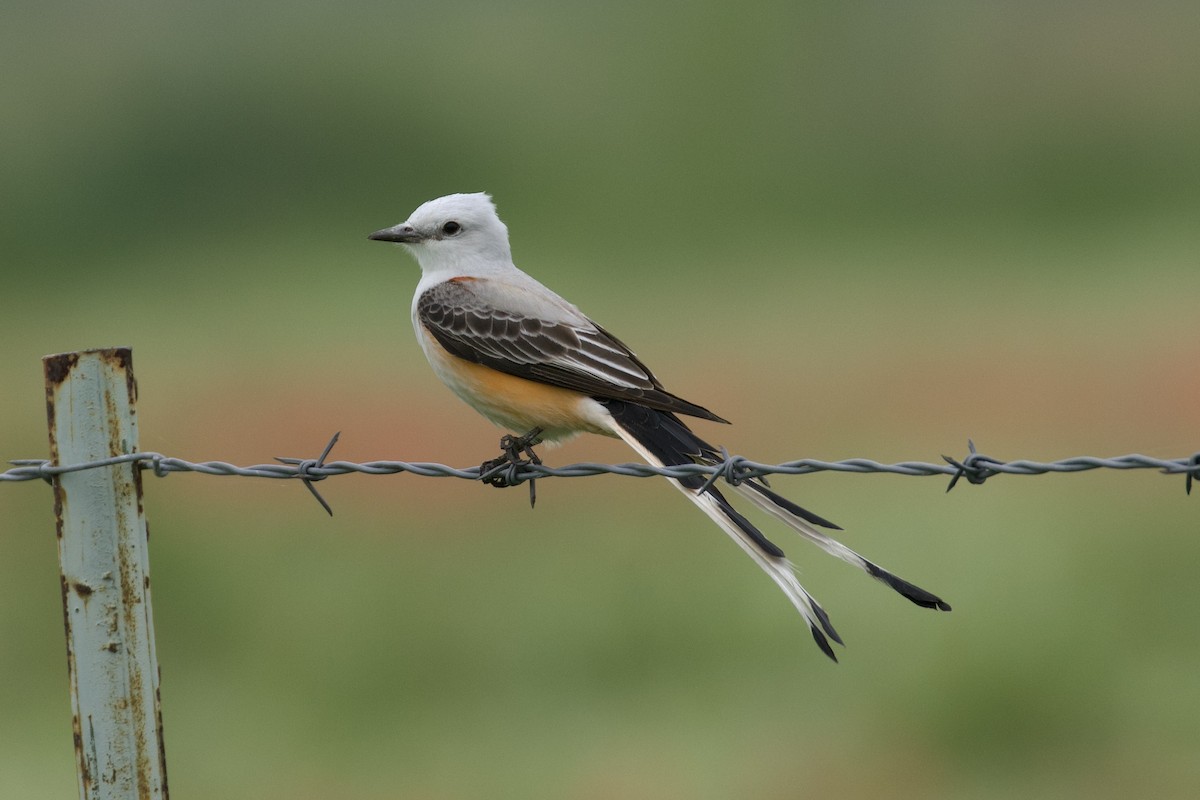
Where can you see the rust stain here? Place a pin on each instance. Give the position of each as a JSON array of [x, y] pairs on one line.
[[85, 774], [115, 444], [121, 359], [82, 589], [162, 749], [67, 626], [51, 390], [91, 764], [60, 497], [137, 485], [141, 755], [112, 623], [57, 367]]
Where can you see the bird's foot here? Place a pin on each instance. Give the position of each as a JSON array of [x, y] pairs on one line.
[[513, 447]]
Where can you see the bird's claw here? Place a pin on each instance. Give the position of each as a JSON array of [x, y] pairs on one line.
[[513, 447]]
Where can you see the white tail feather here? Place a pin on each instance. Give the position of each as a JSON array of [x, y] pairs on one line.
[[832, 546], [780, 570], [805, 528]]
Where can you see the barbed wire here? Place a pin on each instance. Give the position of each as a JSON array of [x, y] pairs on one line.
[[975, 467]]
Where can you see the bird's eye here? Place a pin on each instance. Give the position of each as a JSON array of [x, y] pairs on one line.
[[451, 228]]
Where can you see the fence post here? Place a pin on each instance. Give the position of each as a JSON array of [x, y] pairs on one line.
[[102, 548]]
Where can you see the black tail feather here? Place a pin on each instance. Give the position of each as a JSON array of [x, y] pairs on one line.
[[764, 544], [663, 434], [823, 643], [826, 624], [914, 593]]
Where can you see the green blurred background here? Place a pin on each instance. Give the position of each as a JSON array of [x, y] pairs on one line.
[[855, 230]]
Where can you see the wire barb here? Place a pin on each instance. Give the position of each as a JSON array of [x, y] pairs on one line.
[[970, 467], [732, 469], [1194, 462], [304, 471]]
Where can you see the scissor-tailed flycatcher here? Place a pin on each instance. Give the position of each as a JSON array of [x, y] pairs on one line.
[[527, 359]]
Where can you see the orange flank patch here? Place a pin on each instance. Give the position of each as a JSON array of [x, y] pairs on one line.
[[521, 404], [515, 404], [462, 279]]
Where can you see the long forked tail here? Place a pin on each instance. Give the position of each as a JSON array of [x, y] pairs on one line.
[[800, 520], [664, 440]]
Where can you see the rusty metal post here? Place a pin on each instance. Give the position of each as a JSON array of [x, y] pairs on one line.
[[102, 548]]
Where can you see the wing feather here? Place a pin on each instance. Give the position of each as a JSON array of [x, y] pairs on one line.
[[580, 356]]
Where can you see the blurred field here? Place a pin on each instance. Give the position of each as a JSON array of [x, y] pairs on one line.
[[852, 233]]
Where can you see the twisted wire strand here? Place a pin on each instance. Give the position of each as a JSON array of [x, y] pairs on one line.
[[976, 468]]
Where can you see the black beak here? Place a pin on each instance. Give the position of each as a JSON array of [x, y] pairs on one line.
[[401, 234]]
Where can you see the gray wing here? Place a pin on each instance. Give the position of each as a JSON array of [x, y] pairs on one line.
[[584, 358]]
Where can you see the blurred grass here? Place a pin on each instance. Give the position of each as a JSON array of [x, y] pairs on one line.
[[889, 230]]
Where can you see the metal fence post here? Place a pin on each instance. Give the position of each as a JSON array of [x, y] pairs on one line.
[[102, 546]]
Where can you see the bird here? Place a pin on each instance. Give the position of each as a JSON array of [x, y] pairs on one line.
[[529, 360]]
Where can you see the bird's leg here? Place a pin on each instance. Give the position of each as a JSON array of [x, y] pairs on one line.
[[513, 448]]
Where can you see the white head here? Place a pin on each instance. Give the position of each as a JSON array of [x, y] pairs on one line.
[[458, 233]]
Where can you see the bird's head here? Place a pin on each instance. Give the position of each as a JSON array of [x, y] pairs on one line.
[[458, 233]]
